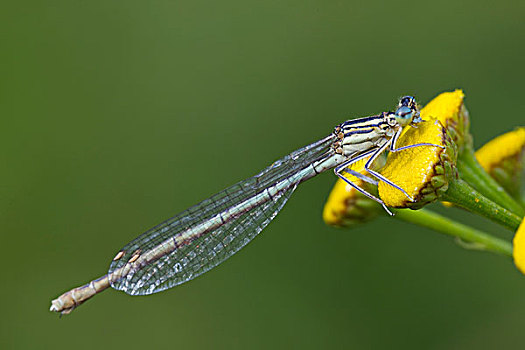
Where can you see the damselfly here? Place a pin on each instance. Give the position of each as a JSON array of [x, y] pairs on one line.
[[200, 238]]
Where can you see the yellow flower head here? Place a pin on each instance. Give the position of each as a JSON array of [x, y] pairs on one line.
[[424, 171], [449, 109], [509, 145], [518, 250], [503, 158]]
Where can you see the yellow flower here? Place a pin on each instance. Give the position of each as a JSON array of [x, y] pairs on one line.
[[423, 172], [518, 251], [503, 158], [509, 145]]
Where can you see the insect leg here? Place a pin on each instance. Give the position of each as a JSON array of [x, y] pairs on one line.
[[360, 176], [393, 147], [378, 175], [339, 169]]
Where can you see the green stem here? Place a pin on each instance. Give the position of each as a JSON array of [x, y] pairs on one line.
[[439, 223], [474, 174], [464, 196]]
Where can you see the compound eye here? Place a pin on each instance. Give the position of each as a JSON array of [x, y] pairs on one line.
[[404, 112], [407, 101]]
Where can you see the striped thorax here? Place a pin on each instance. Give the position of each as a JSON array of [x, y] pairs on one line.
[[358, 135]]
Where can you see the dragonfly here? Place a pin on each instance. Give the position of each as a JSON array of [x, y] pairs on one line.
[[203, 236]]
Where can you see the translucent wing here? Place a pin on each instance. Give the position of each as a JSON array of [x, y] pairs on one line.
[[180, 249]]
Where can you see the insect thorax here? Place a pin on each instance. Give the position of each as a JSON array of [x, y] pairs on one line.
[[359, 135]]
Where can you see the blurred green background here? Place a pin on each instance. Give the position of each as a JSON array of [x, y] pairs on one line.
[[119, 114]]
